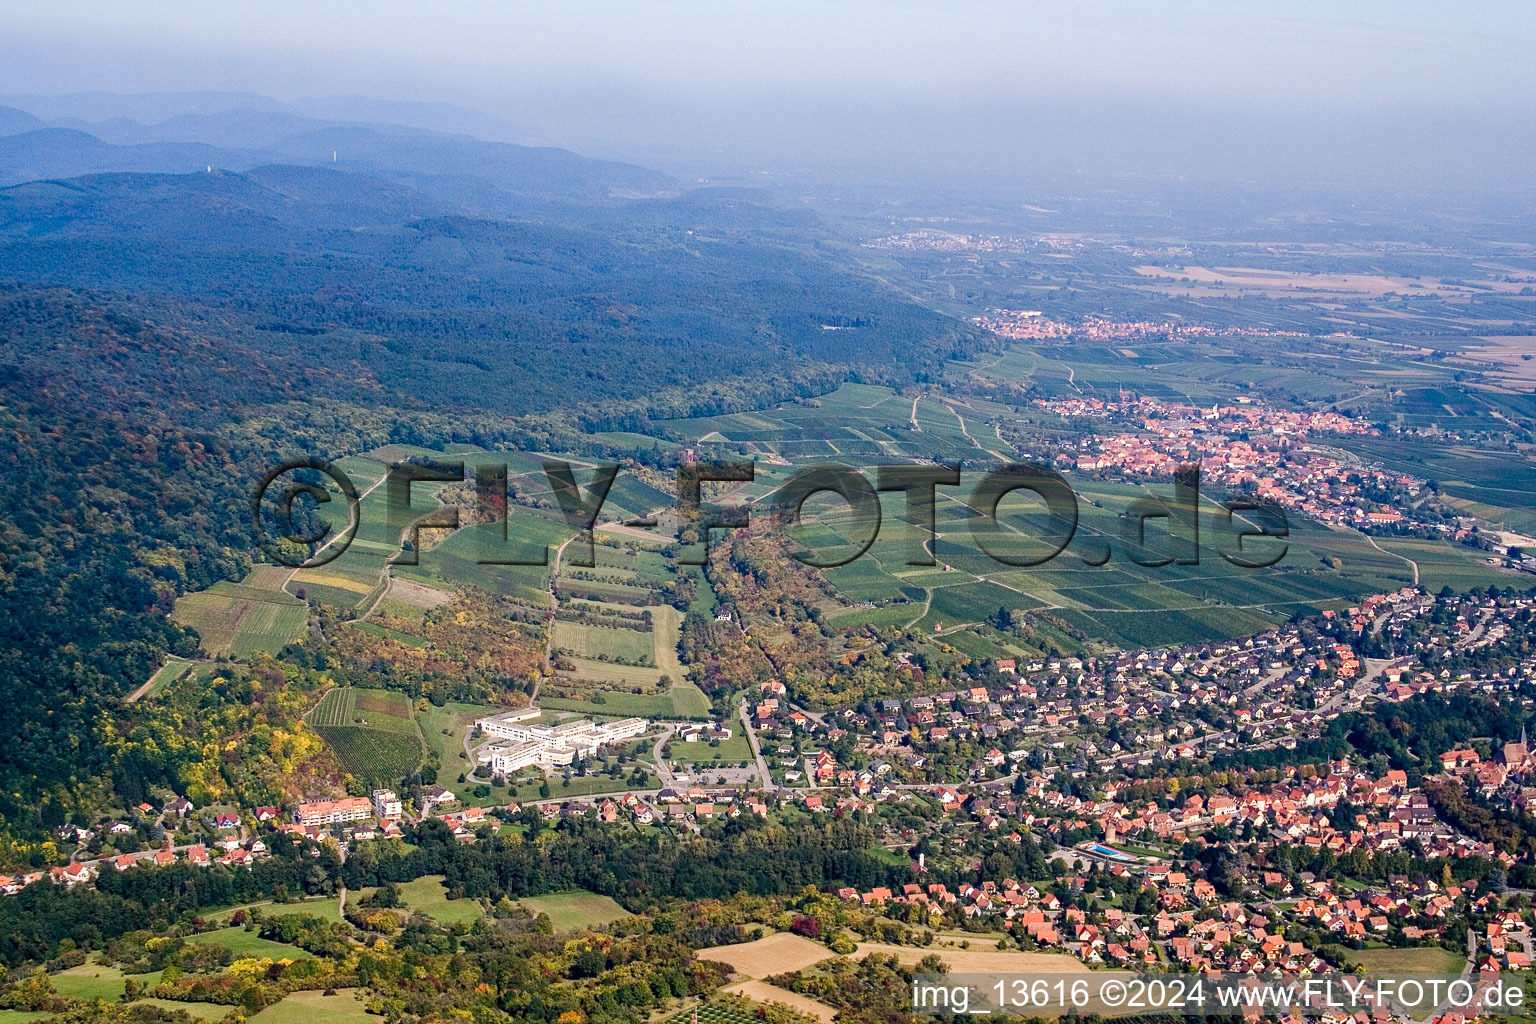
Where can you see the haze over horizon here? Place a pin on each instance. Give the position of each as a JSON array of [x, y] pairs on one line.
[[1402, 96]]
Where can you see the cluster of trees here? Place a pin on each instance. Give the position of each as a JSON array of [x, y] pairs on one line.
[[1410, 735], [1510, 830], [479, 648]]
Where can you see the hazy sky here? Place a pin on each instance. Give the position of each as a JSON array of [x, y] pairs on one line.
[[1235, 88]]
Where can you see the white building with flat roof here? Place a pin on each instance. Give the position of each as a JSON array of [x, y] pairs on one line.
[[502, 725], [552, 746]]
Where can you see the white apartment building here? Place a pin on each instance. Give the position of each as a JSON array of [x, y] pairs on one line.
[[386, 805]]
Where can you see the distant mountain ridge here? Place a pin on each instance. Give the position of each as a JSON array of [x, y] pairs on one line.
[[237, 132], [14, 122]]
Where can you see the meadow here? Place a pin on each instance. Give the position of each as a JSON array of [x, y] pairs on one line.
[[428, 897], [244, 943], [575, 908], [1412, 960], [344, 1007], [97, 981], [585, 641]]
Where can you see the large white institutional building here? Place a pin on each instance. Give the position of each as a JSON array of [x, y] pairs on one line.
[[549, 746]]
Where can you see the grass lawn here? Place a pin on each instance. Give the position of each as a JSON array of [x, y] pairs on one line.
[[427, 896], [1416, 960], [731, 751], [97, 981], [172, 670], [581, 786], [575, 909], [307, 1007], [243, 943], [22, 1016], [885, 856], [202, 1011]]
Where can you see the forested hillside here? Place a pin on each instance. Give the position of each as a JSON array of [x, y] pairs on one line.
[[453, 310], [112, 508], [211, 324]]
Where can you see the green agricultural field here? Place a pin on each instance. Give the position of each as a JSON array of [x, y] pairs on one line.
[[1449, 565], [240, 619], [358, 706], [355, 578], [1121, 602], [427, 896], [611, 682], [606, 675], [409, 639], [979, 644], [372, 744], [345, 1007], [382, 702], [377, 756], [712, 1013], [618, 704], [891, 615], [595, 641], [575, 908], [461, 559], [165, 675], [1414, 960], [245, 944], [335, 708]]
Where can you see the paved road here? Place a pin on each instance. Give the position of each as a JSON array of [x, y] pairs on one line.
[[765, 778], [663, 770]]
